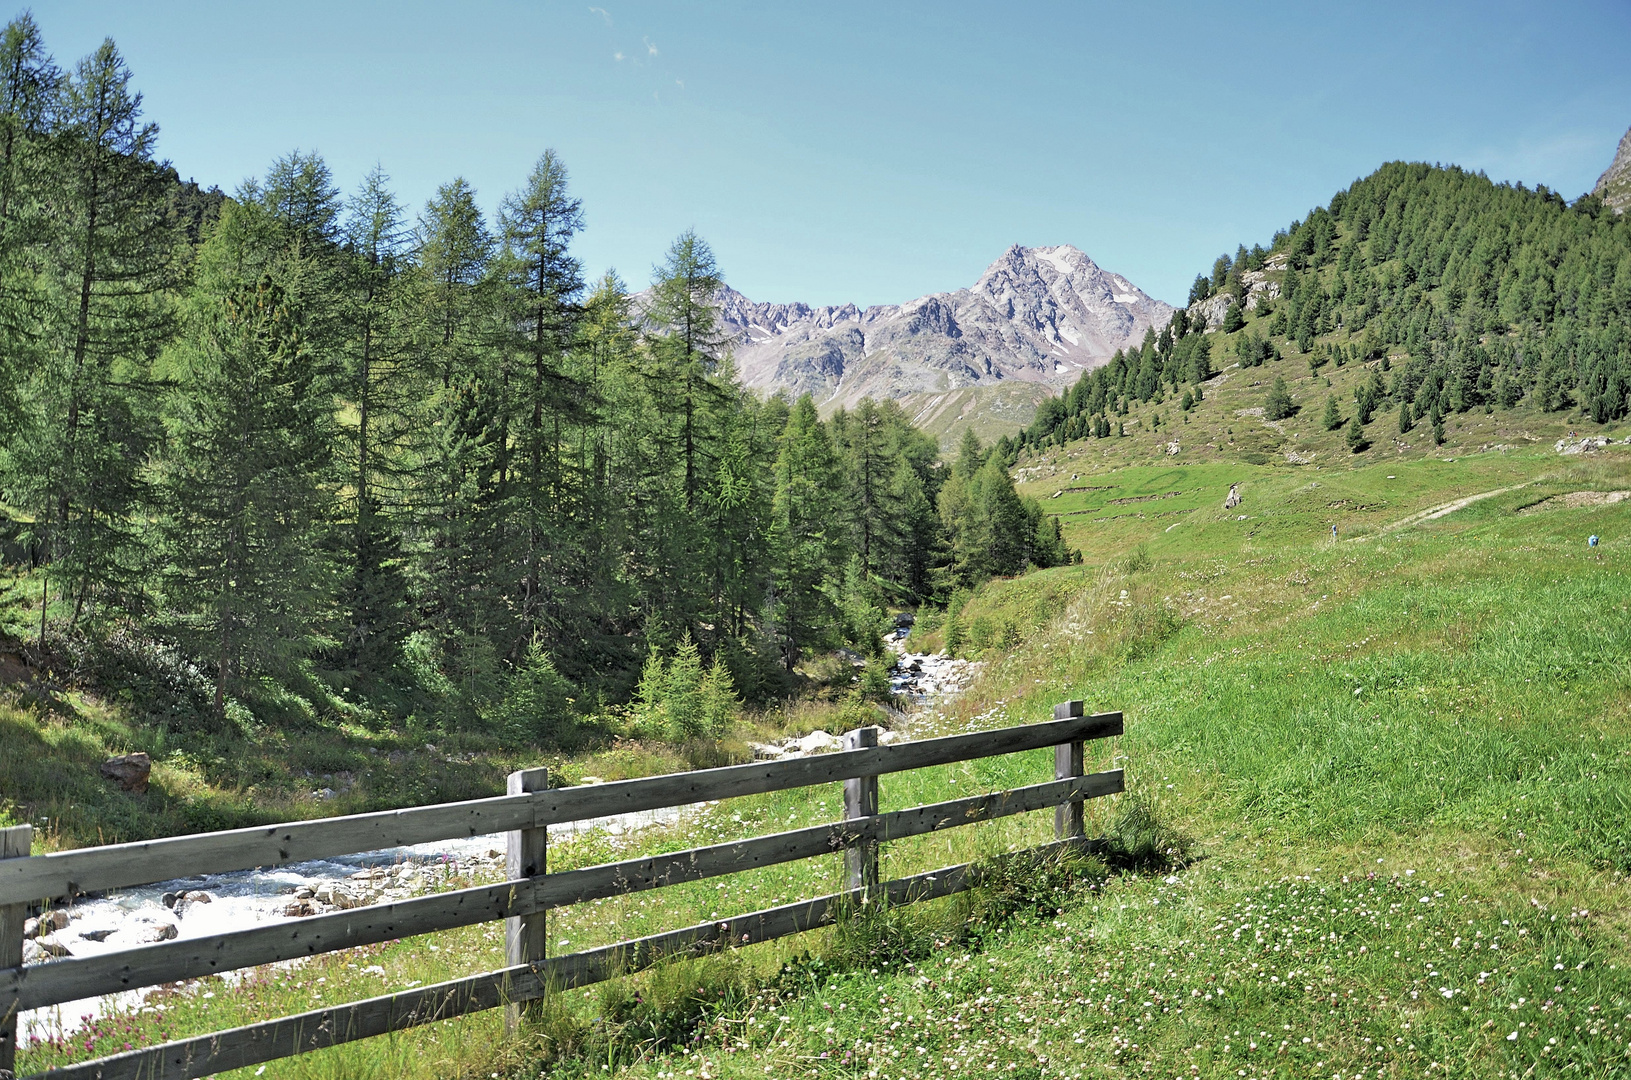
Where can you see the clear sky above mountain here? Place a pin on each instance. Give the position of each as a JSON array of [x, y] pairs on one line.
[[868, 152]]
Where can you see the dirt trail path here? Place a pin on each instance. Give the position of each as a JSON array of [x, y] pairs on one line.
[[1433, 513]]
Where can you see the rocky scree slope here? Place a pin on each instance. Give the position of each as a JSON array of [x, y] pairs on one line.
[[1037, 315]]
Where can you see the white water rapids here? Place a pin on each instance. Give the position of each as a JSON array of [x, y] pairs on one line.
[[218, 903]]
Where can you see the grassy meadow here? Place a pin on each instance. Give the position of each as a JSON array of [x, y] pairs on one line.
[[1401, 759]]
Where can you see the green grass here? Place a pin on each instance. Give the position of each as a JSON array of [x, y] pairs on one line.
[[1404, 757]]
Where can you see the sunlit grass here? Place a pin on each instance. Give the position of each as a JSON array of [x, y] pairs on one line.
[[1406, 761]]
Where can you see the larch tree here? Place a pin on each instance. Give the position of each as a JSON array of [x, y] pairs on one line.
[[108, 264], [373, 379], [806, 532], [545, 283], [246, 477]]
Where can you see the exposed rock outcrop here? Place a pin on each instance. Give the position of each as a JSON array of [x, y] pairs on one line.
[[1614, 186]]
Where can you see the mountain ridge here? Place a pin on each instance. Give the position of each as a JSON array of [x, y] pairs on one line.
[[1039, 315]]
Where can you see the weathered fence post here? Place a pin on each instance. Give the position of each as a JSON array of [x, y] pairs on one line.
[[14, 844], [861, 800], [1068, 761], [526, 855]]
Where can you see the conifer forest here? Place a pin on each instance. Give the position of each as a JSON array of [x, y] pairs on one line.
[[293, 433]]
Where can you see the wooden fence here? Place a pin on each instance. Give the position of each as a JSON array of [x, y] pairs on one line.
[[525, 813]]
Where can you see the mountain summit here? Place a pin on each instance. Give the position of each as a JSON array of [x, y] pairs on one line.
[[1037, 315], [1614, 186]]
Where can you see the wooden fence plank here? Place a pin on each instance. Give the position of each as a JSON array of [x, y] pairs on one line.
[[68, 873], [1068, 760], [72, 979], [861, 801], [526, 856], [14, 844], [190, 1058]]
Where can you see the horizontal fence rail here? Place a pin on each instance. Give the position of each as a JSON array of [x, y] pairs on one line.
[[320, 1028], [115, 866], [523, 899]]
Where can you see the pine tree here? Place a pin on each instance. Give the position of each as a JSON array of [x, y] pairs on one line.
[[806, 532], [970, 455], [244, 479], [684, 701], [28, 90], [688, 347], [1278, 405], [1333, 415], [108, 262], [454, 250], [720, 705], [373, 380], [543, 402], [1356, 436], [1406, 420]]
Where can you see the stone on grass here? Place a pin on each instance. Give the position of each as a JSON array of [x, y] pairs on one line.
[[129, 771]]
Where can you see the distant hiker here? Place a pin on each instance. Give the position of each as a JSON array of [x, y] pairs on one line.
[[1333, 534], [1591, 541]]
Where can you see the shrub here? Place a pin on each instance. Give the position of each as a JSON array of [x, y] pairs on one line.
[[981, 634], [678, 701], [537, 705]]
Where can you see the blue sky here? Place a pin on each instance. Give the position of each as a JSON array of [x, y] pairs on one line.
[[876, 152]]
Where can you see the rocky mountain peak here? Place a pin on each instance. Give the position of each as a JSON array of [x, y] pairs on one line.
[[1039, 315], [1614, 186]]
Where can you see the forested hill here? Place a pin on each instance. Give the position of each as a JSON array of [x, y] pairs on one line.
[[294, 437], [1494, 294]]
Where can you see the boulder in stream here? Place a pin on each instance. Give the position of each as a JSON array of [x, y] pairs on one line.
[[47, 923], [43, 949], [191, 899], [154, 932]]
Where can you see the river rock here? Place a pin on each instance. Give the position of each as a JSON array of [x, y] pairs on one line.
[[154, 933], [47, 923], [191, 899], [337, 896], [51, 947], [129, 771], [97, 935], [299, 909], [816, 742]]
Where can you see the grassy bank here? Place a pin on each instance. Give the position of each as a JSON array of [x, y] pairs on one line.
[[1404, 757]]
